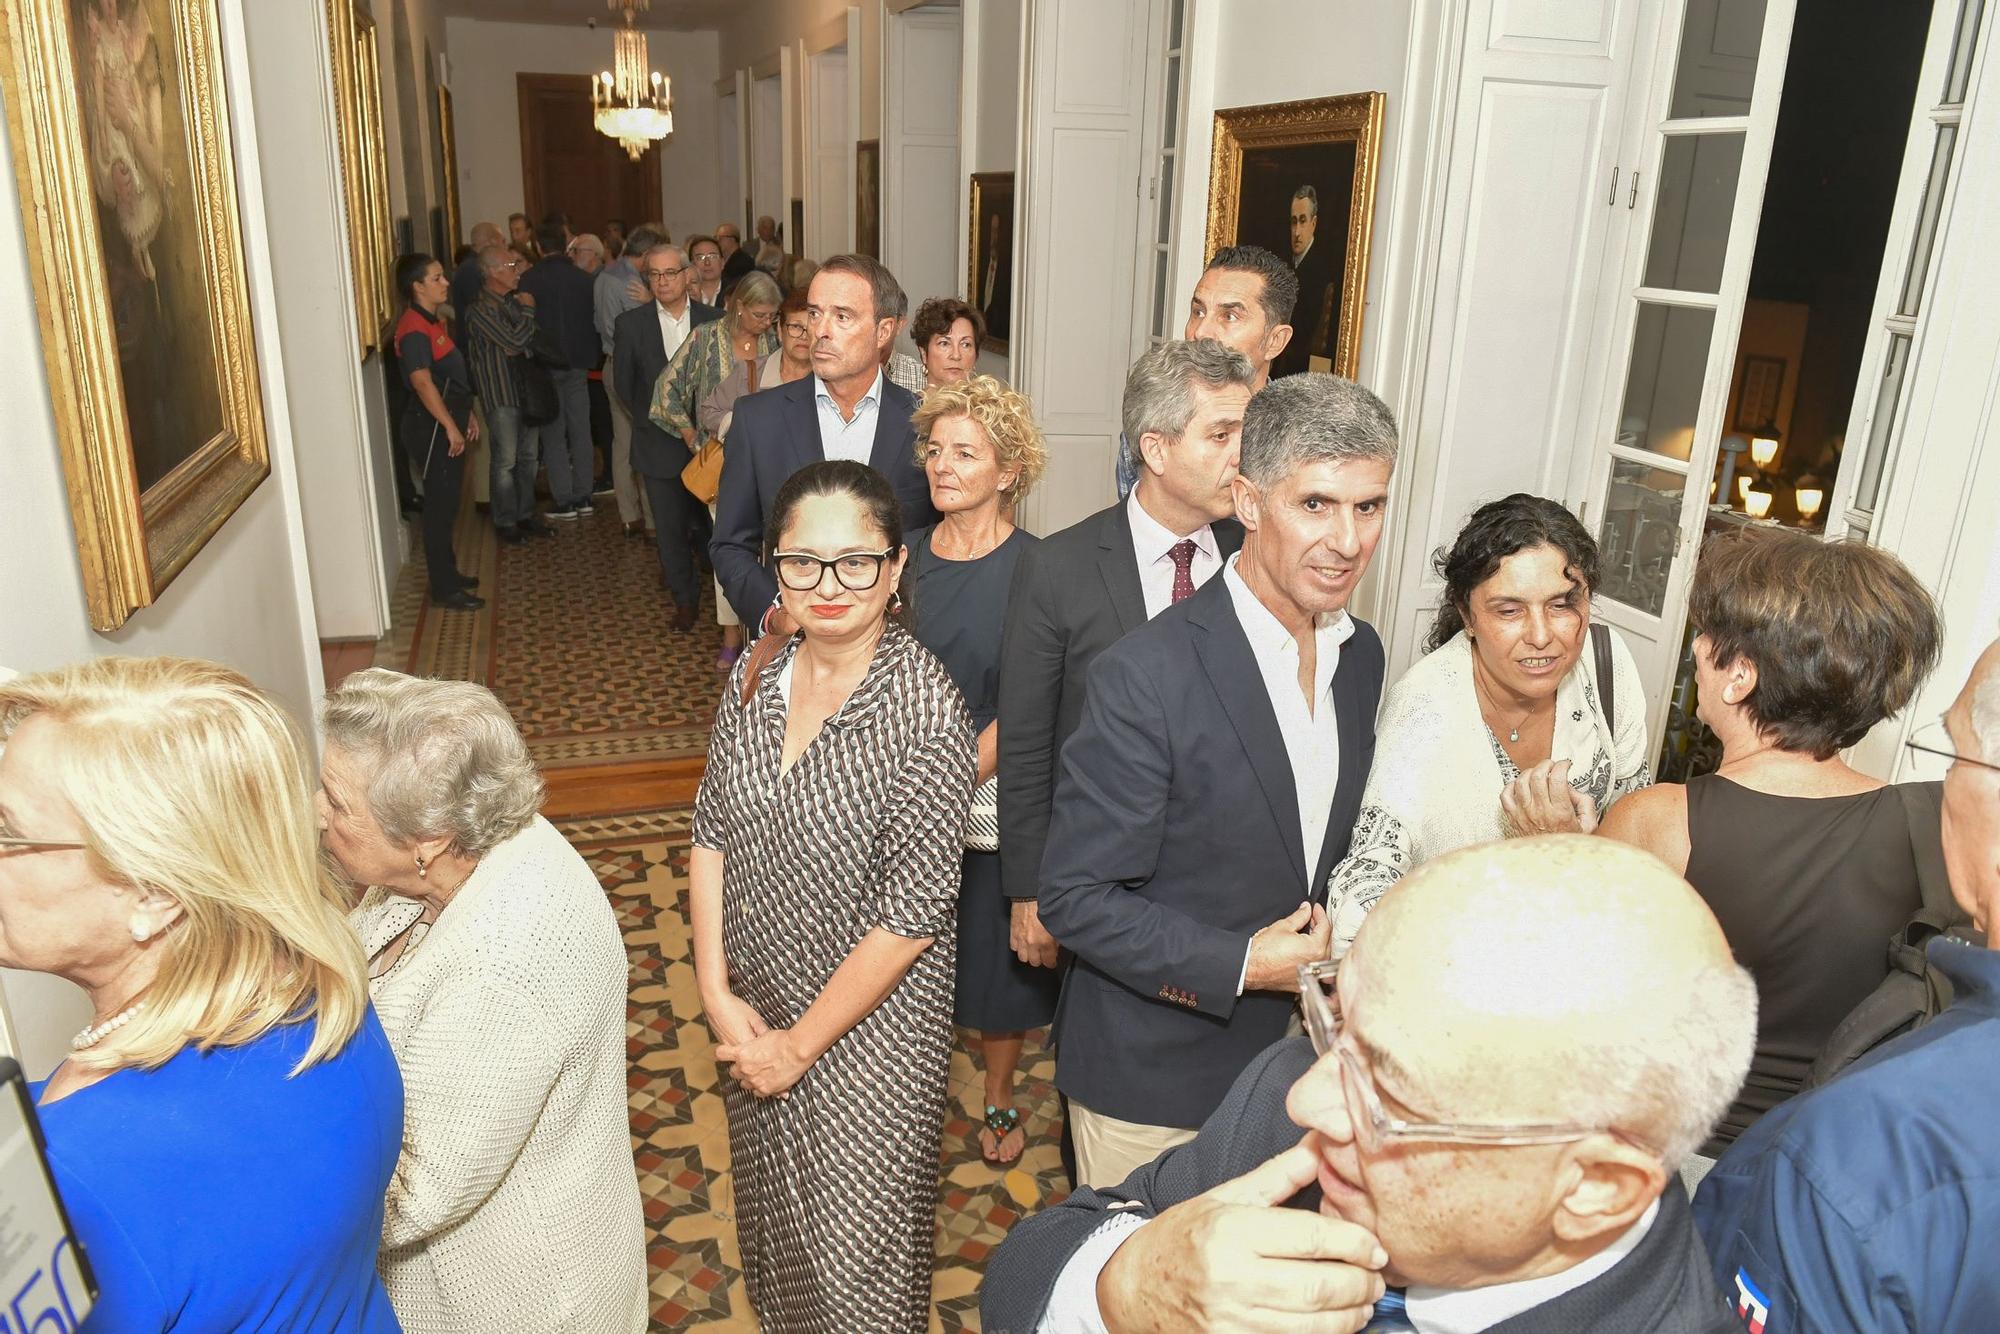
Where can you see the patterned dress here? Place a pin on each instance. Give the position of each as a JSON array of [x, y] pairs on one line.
[[837, 1185]]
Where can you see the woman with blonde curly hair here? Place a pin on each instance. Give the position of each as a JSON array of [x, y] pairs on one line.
[[982, 451], [223, 1131], [500, 974]]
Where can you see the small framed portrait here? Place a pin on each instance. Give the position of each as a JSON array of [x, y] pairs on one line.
[[868, 198], [122, 153], [989, 279], [1298, 179], [1757, 403]]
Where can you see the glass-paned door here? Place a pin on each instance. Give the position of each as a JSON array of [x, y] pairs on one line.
[[1692, 188]]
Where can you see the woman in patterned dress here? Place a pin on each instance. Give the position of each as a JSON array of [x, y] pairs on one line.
[[823, 901], [1501, 729]]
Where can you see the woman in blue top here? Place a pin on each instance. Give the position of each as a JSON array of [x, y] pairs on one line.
[[225, 1128]]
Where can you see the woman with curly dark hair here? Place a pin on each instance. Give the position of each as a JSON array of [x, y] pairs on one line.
[[1522, 718]]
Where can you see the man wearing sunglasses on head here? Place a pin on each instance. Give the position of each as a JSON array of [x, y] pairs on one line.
[[1496, 1090]]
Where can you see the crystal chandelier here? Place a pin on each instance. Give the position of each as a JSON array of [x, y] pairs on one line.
[[634, 106]]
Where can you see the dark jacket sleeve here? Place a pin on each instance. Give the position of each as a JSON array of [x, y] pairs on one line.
[[1105, 834], [1032, 653], [737, 549], [1248, 1128], [625, 376]]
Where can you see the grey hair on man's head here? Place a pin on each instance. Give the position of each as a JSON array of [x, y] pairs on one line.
[[494, 258], [1159, 389], [441, 758], [1311, 418], [485, 234], [1310, 195], [643, 238], [891, 301]]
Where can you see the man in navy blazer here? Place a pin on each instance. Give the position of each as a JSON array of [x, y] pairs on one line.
[[639, 356], [1212, 786], [846, 409]]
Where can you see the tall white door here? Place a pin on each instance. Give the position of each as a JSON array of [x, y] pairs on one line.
[[921, 179], [1691, 182], [831, 183], [767, 149], [729, 153]]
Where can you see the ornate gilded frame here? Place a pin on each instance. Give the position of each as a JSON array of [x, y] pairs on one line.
[[130, 543], [448, 148], [364, 165], [1355, 117]]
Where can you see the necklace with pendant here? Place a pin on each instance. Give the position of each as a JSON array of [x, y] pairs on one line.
[[1514, 732]]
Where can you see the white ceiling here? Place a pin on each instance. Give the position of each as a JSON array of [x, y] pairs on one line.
[[664, 14]]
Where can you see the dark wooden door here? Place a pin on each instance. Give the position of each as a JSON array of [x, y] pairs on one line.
[[567, 166]]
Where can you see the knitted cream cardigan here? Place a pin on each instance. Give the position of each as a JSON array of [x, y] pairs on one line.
[[515, 1205]]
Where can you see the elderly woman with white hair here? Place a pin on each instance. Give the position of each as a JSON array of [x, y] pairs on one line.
[[500, 976], [223, 1130]]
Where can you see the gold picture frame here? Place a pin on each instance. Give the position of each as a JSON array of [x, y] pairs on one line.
[[448, 149], [989, 256], [364, 166], [1268, 158], [123, 156]]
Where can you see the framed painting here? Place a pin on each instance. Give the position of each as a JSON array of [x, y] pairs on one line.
[[1757, 402], [989, 278], [448, 156], [868, 198], [121, 133], [364, 165], [1298, 178]]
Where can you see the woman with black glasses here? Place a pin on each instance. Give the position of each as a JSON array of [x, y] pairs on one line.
[[823, 901]]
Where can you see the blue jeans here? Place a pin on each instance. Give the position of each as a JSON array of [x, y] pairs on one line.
[[514, 452], [569, 453]]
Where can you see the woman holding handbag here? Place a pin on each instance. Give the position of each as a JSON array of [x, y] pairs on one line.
[[731, 348], [982, 451]]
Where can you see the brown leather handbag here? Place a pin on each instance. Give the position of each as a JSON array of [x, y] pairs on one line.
[[703, 474]]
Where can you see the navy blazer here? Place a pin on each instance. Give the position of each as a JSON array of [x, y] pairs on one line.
[[638, 359], [1175, 837], [774, 433], [566, 309], [1661, 1287], [1059, 618]]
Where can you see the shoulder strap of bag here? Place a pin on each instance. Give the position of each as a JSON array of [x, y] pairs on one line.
[[1600, 645]]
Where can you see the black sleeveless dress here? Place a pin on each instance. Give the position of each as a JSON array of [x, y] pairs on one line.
[[1808, 890]]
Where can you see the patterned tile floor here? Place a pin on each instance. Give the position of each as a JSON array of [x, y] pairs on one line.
[[574, 641]]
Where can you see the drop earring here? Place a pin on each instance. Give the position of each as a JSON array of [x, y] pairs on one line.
[[895, 602], [423, 868]]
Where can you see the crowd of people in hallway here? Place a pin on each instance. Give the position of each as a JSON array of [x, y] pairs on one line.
[[1407, 1004]]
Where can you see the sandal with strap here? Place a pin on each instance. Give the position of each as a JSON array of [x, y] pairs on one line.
[[1000, 1123]]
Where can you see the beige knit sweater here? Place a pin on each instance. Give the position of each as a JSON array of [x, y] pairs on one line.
[[515, 1205]]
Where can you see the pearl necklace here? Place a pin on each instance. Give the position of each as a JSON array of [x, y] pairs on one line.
[[96, 1033]]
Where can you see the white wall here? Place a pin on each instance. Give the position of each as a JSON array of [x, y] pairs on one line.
[[485, 57], [758, 28], [991, 76], [244, 600]]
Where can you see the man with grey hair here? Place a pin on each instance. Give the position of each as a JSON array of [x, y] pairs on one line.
[[1184, 406], [499, 329], [617, 289], [1495, 1092], [1317, 267], [1870, 1203], [1213, 783], [469, 277]]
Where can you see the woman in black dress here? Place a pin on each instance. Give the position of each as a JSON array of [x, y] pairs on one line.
[[982, 451], [437, 420]]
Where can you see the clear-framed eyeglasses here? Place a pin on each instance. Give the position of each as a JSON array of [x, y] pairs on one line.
[[1373, 1124], [856, 571], [1933, 739]]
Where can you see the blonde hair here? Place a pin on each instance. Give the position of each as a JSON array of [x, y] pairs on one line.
[[1005, 414], [189, 781]]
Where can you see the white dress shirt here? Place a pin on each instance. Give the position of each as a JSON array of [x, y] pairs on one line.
[[840, 438], [1150, 544], [674, 330], [1072, 1307]]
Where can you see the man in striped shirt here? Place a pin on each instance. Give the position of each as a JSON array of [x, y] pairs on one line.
[[499, 327]]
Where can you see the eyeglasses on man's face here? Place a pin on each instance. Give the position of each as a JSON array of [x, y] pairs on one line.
[[1933, 739], [855, 571], [1374, 1126], [655, 275]]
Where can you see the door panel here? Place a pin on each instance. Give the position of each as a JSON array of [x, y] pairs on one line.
[[567, 165]]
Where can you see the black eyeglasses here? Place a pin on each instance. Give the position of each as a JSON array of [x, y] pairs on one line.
[[1933, 739], [666, 273], [856, 571]]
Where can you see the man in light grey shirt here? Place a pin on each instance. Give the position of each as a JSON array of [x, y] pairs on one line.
[[619, 288]]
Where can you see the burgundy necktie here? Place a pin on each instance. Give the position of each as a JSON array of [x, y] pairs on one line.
[[1182, 553]]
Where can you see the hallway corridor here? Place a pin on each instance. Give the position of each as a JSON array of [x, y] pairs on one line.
[[615, 708]]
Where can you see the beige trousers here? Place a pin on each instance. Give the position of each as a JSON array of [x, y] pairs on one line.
[[1109, 1150], [632, 502]]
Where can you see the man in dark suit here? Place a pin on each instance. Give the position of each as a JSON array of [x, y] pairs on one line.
[[566, 310], [845, 409], [1317, 267], [1523, 1044], [1212, 784], [1080, 590], [640, 352], [736, 261]]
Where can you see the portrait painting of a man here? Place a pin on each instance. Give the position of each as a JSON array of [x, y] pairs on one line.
[[991, 285], [141, 175]]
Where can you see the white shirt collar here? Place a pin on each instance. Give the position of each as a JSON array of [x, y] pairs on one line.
[[1268, 635], [667, 316], [867, 400], [1468, 1310], [1151, 540]]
